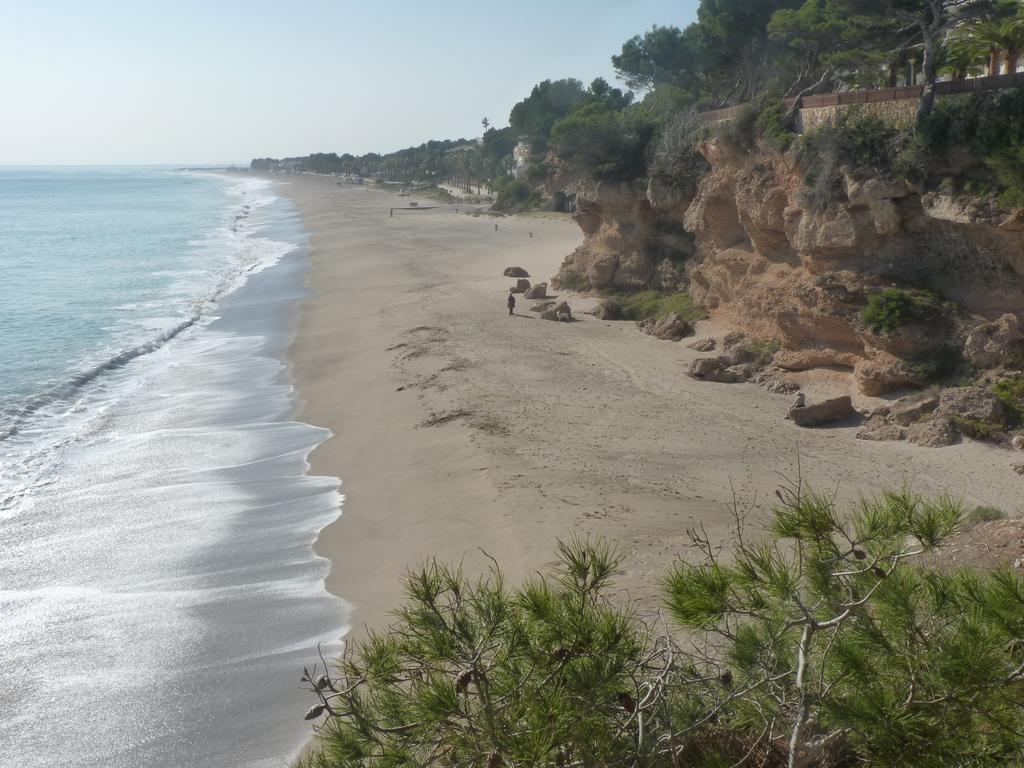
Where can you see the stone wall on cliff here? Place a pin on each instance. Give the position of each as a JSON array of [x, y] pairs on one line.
[[900, 113]]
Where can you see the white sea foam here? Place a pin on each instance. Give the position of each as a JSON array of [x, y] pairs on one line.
[[157, 586]]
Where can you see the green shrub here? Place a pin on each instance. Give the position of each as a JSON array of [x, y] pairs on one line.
[[742, 129], [1011, 394], [1008, 165], [759, 353], [603, 143], [821, 635], [893, 308], [648, 304], [774, 125], [984, 515], [863, 141], [977, 429], [937, 364], [983, 122], [514, 195], [764, 118], [675, 161], [991, 127]]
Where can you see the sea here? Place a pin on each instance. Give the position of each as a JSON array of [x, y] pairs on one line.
[[159, 597]]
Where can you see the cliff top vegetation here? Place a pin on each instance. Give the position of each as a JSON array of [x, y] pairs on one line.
[[736, 51]]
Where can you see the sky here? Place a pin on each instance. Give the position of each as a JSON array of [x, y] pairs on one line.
[[95, 82]]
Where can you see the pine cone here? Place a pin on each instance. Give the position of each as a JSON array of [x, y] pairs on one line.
[[626, 702], [463, 681]]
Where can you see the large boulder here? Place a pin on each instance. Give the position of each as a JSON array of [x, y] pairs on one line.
[[516, 272], [937, 432], [558, 312], [972, 403], [877, 428], [996, 343], [907, 410], [704, 345], [538, 291], [825, 412], [882, 373], [521, 286], [542, 306], [713, 369], [670, 327]]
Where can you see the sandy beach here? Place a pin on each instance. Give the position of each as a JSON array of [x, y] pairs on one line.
[[459, 429]]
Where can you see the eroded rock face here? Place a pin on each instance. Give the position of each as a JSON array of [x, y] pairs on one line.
[[633, 239], [764, 255], [803, 274]]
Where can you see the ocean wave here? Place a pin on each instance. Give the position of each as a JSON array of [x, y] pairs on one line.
[[47, 420]]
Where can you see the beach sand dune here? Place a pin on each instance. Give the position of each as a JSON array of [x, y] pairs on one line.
[[459, 429]]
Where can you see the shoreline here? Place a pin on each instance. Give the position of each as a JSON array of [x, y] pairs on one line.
[[192, 509], [458, 429], [370, 300]]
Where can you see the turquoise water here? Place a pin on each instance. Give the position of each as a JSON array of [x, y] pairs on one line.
[[97, 262], [156, 514]]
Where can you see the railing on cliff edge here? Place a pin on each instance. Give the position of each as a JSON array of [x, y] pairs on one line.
[[879, 95]]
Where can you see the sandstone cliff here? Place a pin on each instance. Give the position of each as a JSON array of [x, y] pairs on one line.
[[634, 238], [759, 252]]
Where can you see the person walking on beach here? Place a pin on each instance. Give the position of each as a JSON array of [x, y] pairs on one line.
[[511, 304]]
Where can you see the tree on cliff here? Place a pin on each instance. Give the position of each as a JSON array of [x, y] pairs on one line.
[[665, 55], [925, 23], [831, 44], [726, 56], [999, 39], [547, 103], [603, 143], [818, 645]]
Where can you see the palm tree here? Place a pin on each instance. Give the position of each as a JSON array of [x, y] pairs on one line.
[[961, 58], [1000, 39]]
